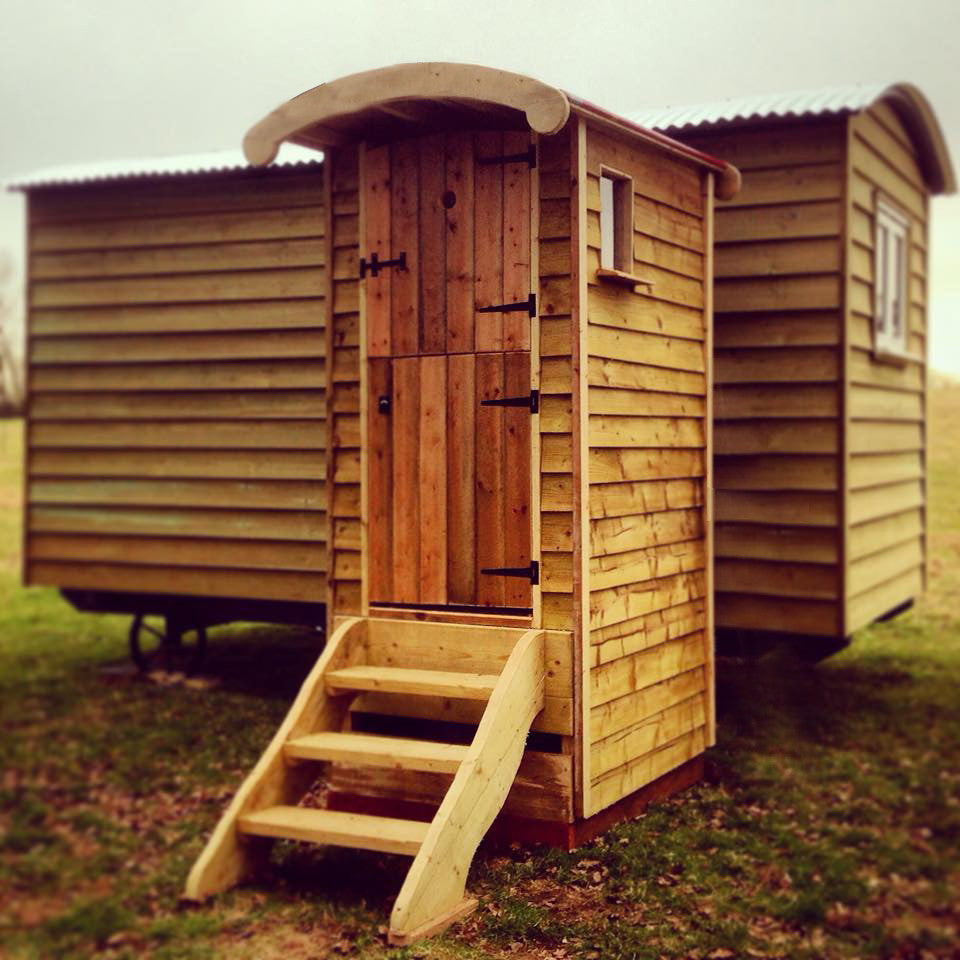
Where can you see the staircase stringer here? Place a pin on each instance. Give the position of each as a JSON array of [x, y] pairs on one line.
[[228, 858], [433, 892]]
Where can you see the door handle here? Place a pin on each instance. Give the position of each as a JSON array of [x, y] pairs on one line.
[[383, 404]]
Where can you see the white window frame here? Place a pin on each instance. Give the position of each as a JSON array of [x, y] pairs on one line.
[[891, 279], [616, 221]]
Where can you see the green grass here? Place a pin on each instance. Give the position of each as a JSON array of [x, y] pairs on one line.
[[829, 825]]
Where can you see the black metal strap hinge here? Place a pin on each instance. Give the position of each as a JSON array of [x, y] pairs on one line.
[[374, 265], [530, 305], [532, 572], [532, 402], [528, 156]]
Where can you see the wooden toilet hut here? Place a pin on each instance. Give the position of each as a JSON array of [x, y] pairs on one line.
[[820, 355], [517, 342]]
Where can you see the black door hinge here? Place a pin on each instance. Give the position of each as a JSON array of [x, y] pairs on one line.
[[530, 305], [529, 156], [532, 572], [375, 264], [532, 402]]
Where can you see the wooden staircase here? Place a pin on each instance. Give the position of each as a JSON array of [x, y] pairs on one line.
[[375, 655]]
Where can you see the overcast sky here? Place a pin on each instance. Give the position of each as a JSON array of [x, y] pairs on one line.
[[107, 79]]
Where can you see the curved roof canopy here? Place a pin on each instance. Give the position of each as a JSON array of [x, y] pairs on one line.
[[910, 104], [411, 93]]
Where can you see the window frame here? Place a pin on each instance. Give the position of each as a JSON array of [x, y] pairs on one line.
[[620, 229], [891, 341]]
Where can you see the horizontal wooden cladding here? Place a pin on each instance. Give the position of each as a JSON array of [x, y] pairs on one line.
[[274, 344], [662, 432], [762, 294], [615, 466], [778, 145], [227, 375], [778, 258], [176, 230], [613, 605], [647, 735], [870, 163], [875, 403], [655, 176], [777, 614], [790, 328], [658, 284], [627, 637], [866, 607], [866, 370], [783, 222], [187, 581], [611, 307], [883, 565], [775, 472], [650, 496], [880, 469], [233, 405], [179, 463], [884, 436], [786, 579], [770, 435], [876, 535], [769, 542], [650, 563], [236, 435], [646, 348], [242, 190], [542, 789], [797, 183], [276, 284], [179, 552], [178, 318], [230, 494], [627, 675], [623, 781], [641, 377], [186, 259], [624, 534], [776, 365], [762, 401], [874, 502], [603, 400], [776, 507], [158, 522], [663, 222]]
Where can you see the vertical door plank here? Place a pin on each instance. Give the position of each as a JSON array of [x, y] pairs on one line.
[[516, 479], [459, 242], [406, 484], [433, 479], [404, 193], [488, 241], [376, 205], [490, 498], [380, 477], [433, 307], [461, 479], [516, 242]]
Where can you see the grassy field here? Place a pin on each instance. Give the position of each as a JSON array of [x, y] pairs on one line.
[[829, 825]]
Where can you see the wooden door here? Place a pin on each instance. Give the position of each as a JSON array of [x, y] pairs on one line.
[[448, 474]]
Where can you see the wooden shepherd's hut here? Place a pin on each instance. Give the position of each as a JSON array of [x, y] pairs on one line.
[[820, 354]]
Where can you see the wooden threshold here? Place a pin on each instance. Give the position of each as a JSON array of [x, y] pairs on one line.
[[449, 615]]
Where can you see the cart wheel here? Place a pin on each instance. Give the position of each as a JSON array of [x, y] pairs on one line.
[[156, 644]]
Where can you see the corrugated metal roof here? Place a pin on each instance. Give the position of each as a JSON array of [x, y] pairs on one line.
[[183, 165], [798, 103]]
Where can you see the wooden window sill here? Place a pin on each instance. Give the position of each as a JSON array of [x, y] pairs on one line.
[[621, 278], [893, 358]]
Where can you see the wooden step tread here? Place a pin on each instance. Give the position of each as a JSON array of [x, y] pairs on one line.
[[435, 683], [357, 830], [362, 749]]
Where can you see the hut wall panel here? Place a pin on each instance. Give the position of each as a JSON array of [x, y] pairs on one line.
[[886, 475], [649, 694], [178, 433], [345, 595], [778, 378]]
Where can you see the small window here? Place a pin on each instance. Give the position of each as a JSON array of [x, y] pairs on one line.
[[616, 222], [890, 283]]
